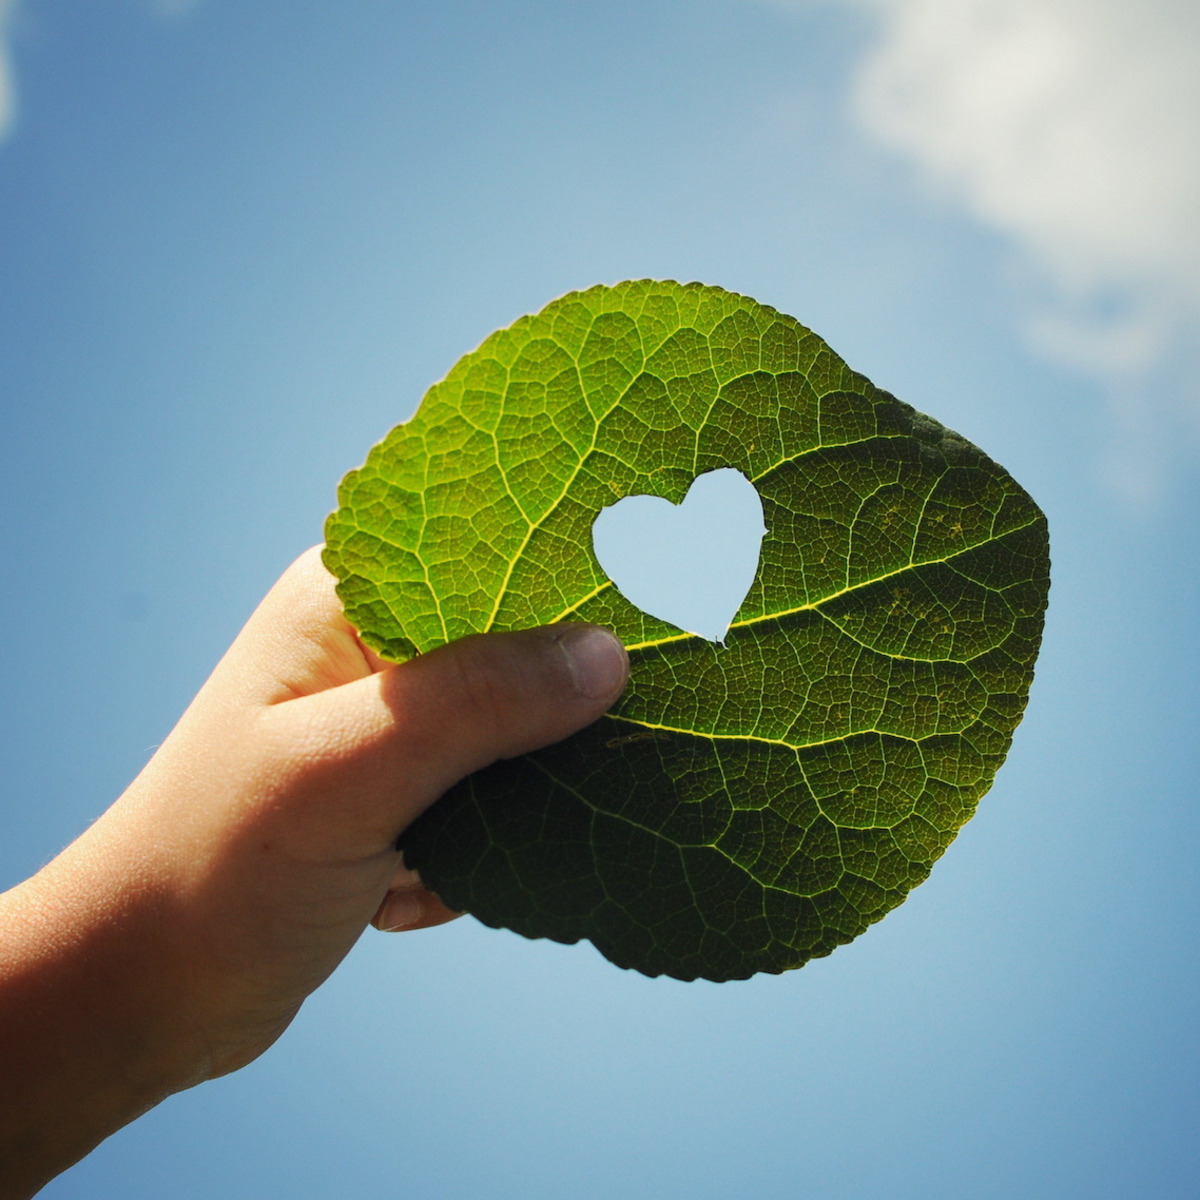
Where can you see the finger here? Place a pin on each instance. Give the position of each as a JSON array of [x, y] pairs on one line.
[[411, 908], [403, 879], [296, 642], [495, 696], [390, 744]]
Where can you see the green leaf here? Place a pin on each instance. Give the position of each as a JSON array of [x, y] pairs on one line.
[[744, 808]]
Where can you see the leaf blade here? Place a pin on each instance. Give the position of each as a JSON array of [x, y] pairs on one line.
[[742, 809]]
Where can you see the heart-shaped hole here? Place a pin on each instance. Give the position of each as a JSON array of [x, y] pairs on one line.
[[690, 564]]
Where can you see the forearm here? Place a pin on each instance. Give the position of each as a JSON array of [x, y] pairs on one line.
[[85, 1046], [176, 939]]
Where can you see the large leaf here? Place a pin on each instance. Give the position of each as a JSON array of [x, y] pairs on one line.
[[748, 807]]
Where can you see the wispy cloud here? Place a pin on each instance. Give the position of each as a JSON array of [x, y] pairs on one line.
[[1073, 127], [8, 94], [8, 88]]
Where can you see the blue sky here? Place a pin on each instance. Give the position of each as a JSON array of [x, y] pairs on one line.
[[238, 241]]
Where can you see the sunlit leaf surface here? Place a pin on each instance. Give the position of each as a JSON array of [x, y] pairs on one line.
[[744, 808]]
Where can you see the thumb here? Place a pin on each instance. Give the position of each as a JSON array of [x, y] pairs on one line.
[[396, 740], [493, 696]]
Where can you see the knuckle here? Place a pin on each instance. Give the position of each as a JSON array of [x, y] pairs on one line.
[[486, 693]]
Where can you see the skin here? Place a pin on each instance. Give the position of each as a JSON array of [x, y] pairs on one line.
[[177, 938]]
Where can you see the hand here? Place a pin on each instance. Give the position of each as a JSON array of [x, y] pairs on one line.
[[178, 937]]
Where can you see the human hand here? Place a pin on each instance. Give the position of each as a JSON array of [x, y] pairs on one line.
[[177, 938]]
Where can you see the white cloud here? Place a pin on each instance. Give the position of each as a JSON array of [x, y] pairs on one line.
[[8, 95], [1072, 127]]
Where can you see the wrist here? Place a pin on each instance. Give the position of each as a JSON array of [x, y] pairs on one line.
[[87, 1038]]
